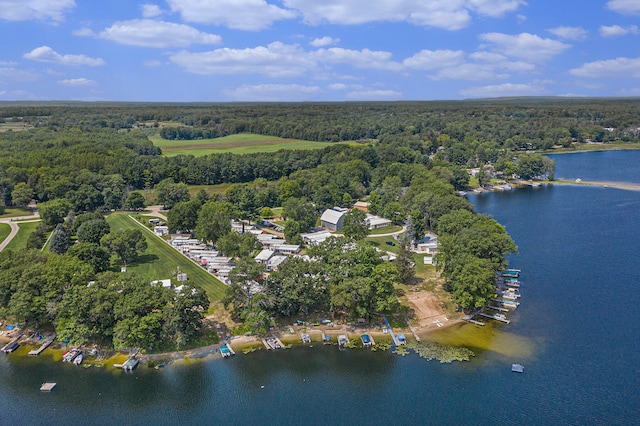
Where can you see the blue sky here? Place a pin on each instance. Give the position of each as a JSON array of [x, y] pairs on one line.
[[317, 50]]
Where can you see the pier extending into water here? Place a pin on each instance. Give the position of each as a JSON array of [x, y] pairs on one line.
[[395, 340], [45, 345]]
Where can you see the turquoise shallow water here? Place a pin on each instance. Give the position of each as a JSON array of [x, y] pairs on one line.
[[578, 321]]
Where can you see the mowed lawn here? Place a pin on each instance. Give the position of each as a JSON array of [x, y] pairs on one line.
[[4, 231], [19, 242], [245, 143], [160, 260]]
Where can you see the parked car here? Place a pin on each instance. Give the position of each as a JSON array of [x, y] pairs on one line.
[[391, 243]]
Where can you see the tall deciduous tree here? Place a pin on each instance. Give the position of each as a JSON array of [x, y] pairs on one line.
[[53, 212], [168, 193], [214, 220], [125, 243], [355, 225], [135, 201], [21, 194]]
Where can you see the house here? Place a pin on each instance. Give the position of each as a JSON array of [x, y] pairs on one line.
[[362, 205], [315, 238], [286, 248], [375, 222], [161, 231], [164, 283], [428, 245], [264, 256], [333, 219], [275, 261]]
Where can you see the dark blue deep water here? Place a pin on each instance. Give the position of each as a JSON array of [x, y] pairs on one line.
[[576, 332]]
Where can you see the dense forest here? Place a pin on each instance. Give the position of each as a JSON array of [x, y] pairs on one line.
[[408, 159]]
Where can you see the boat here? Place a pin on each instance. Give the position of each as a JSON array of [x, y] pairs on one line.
[[226, 351], [70, 355], [517, 368], [305, 338], [402, 339], [510, 295], [130, 363], [78, 360], [343, 340], [10, 347], [366, 340]]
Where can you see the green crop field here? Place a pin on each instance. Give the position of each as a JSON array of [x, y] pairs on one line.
[[244, 143], [160, 260]]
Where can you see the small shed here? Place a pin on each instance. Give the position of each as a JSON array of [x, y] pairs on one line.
[[333, 219]]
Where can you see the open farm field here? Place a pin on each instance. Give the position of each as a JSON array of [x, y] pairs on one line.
[[236, 144], [160, 260]]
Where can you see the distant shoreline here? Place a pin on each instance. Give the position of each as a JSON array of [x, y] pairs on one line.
[[628, 186]]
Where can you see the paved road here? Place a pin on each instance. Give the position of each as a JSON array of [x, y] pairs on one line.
[[155, 211], [11, 221]]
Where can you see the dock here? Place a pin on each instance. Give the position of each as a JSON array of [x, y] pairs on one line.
[[472, 321], [497, 308], [395, 340], [495, 317], [47, 387], [45, 345], [413, 330]]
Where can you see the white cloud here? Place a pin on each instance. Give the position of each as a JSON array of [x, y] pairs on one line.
[[77, 82], [252, 15], [500, 90], [47, 54], [434, 59], [624, 7], [273, 92], [10, 73], [84, 32], [451, 15], [151, 33], [25, 10], [364, 58], [617, 30], [324, 41], [274, 60], [525, 46], [569, 33], [373, 95], [611, 68], [150, 10]]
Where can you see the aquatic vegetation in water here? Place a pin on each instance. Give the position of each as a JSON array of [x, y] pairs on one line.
[[442, 353], [249, 350]]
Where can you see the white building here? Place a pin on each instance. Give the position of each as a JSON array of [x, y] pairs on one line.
[[315, 238], [428, 245], [161, 231], [275, 262], [264, 256], [333, 219], [375, 222]]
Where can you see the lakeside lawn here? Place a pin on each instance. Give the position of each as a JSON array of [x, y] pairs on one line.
[[19, 242], [4, 231], [244, 143], [160, 260]]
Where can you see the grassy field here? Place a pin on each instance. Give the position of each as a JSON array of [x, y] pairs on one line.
[[16, 212], [160, 260], [210, 189], [4, 231], [244, 143], [386, 230], [19, 242]]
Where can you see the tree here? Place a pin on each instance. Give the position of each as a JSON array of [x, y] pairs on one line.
[[534, 165], [404, 262], [302, 211], [355, 225], [135, 201], [266, 213], [168, 193], [92, 231], [21, 194], [125, 243], [96, 256], [37, 239], [234, 244], [214, 220], [53, 212], [85, 199], [292, 232], [60, 240], [184, 215]]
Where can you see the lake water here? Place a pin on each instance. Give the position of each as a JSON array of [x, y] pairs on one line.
[[575, 332]]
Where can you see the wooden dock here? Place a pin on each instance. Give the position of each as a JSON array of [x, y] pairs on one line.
[[498, 308], [47, 387], [472, 321], [45, 345], [393, 336], [413, 330]]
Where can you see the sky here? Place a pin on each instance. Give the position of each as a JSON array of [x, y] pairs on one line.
[[317, 50]]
